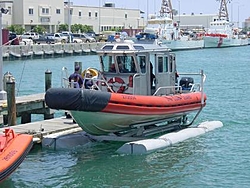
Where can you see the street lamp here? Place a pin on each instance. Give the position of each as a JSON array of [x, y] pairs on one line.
[[31, 21], [179, 13], [3, 94], [232, 10], [239, 15], [69, 21], [99, 18]]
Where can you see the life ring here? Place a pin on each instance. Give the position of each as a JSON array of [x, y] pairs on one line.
[[121, 84]]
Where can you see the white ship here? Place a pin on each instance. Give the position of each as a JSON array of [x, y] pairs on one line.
[[163, 30], [221, 32]]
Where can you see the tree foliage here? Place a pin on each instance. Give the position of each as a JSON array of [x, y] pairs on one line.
[[16, 29], [76, 28], [39, 29]]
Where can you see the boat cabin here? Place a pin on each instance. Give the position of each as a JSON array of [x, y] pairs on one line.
[[132, 69]]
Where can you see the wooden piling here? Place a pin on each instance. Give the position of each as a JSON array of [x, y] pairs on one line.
[[11, 102], [78, 63], [48, 113], [48, 78]]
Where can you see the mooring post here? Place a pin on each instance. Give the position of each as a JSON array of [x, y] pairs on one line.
[[11, 102], [48, 78], [48, 113], [78, 63]]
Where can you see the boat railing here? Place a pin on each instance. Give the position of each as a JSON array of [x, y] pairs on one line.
[[99, 78], [65, 78], [175, 89], [196, 86], [178, 89], [201, 89]]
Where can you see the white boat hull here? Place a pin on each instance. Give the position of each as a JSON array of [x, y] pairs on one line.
[[219, 42], [183, 44]]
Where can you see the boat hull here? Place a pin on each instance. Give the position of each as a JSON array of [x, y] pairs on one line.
[[101, 113], [219, 42], [14, 148], [183, 44], [174, 45]]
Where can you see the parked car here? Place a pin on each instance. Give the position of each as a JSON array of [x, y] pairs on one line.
[[91, 34], [58, 37], [84, 37], [44, 40], [69, 36], [77, 40], [25, 41], [30, 35]]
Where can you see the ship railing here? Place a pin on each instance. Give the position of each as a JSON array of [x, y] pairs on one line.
[[99, 78], [173, 89], [65, 78], [201, 89]]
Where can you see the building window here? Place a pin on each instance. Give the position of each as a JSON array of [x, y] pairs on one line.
[[89, 14], [58, 11], [80, 13], [45, 10], [31, 11], [45, 20], [126, 15], [71, 12], [96, 14]]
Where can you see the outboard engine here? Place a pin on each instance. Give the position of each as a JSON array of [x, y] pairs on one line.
[[186, 83]]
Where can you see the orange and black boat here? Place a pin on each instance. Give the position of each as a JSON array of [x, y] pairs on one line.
[[137, 92], [13, 150]]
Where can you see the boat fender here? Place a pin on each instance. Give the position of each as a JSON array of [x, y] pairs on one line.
[[121, 87], [169, 139]]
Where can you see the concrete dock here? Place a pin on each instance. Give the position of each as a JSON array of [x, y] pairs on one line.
[[49, 132], [14, 52]]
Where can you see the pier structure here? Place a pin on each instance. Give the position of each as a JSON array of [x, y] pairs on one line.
[[13, 52], [24, 106]]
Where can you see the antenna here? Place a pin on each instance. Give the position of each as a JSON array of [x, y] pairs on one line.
[[166, 9], [223, 12]]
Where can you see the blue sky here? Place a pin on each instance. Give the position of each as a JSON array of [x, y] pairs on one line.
[[238, 9]]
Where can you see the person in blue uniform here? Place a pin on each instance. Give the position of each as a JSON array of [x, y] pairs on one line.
[[76, 78]]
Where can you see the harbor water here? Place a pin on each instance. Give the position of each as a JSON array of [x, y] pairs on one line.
[[220, 158]]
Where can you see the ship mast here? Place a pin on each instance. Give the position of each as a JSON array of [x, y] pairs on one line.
[[166, 9], [223, 12]]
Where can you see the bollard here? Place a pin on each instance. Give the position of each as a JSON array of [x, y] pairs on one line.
[[48, 78], [11, 102], [78, 63], [7, 77]]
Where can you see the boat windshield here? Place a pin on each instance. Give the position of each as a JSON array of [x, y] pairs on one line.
[[126, 64], [107, 63], [118, 63]]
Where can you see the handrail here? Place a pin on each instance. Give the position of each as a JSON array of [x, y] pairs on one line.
[[63, 79], [96, 79], [194, 87], [168, 87]]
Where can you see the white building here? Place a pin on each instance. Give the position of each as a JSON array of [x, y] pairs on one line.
[[51, 13], [7, 18], [195, 21], [104, 18]]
